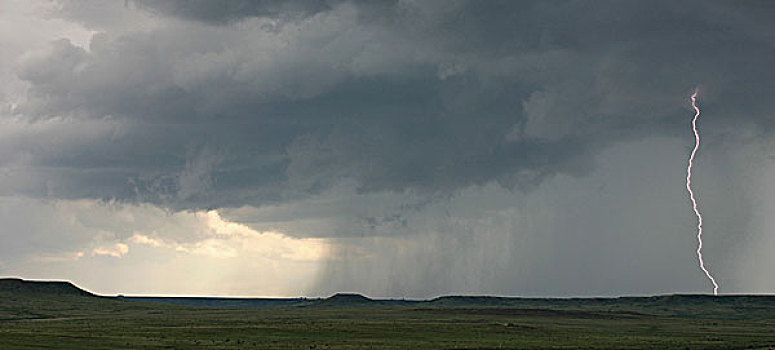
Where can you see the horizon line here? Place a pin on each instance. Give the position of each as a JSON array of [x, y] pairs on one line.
[[483, 295]]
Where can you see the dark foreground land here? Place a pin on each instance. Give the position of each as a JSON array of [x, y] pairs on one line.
[[35, 315]]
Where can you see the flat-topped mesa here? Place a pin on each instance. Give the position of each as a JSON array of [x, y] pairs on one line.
[[20, 286], [347, 299]]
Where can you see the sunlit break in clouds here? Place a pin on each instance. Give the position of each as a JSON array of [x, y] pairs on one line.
[[394, 149]]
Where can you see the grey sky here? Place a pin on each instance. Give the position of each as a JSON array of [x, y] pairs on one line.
[[503, 147]]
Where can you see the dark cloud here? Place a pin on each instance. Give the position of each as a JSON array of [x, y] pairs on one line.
[[287, 106], [424, 97], [221, 12]]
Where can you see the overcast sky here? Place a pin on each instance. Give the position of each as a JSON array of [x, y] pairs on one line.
[[392, 148]]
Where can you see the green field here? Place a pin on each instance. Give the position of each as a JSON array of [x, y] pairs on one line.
[[57, 315]]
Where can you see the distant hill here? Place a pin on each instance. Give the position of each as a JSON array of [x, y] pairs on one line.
[[336, 300], [347, 299], [39, 300], [60, 315], [21, 287], [45, 299]]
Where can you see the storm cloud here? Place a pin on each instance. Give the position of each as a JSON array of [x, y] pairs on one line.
[[428, 140]]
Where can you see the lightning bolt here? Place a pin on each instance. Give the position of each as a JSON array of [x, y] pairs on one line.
[[691, 193]]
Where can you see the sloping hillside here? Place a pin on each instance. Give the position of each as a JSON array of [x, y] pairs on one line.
[[21, 300], [21, 287]]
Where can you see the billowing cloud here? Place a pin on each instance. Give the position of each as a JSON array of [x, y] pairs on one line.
[[115, 250], [360, 122], [101, 14], [155, 250], [418, 97]]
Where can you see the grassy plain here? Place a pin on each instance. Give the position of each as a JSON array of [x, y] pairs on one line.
[[66, 320]]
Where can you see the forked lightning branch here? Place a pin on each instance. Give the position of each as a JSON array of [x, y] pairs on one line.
[[691, 193]]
